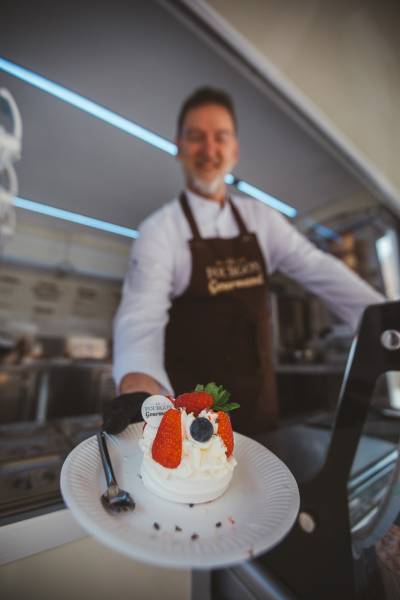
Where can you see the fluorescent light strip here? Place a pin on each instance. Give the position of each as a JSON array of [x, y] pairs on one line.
[[251, 190], [66, 215], [326, 232], [321, 230], [104, 114]]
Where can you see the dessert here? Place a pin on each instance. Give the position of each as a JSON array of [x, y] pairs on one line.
[[188, 444]]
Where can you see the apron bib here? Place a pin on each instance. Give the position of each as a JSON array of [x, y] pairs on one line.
[[219, 329]]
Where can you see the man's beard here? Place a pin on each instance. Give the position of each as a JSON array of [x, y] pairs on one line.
[[208, 188]]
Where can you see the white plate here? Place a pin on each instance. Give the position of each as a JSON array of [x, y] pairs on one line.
[[255, 513]]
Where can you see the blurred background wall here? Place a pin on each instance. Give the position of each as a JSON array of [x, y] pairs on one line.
[[343, 59]]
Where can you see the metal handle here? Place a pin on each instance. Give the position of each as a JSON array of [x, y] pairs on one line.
[[369, 358], [105, 459]]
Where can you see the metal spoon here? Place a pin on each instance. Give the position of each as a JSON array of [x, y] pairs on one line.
[[114, 499]]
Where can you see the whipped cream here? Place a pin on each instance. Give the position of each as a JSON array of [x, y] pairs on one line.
[[204, 472]]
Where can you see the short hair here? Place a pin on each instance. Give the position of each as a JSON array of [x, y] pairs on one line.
[[201, 97]]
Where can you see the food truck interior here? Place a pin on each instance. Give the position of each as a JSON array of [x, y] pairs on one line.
[[60, 279]]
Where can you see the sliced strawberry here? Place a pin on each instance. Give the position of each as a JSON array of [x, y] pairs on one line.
[[225, 431], [167, 445], [194, 402]]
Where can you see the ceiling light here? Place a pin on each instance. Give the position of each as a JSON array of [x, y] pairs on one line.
[[326, 232], [102, 113], [255, 192], [66, 215]]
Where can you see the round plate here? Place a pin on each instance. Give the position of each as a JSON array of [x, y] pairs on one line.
[[253, 515]]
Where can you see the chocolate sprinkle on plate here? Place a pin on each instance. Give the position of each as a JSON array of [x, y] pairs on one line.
[[218, 524], [156, 526], [194, 536], [177, 528], [191, 505]]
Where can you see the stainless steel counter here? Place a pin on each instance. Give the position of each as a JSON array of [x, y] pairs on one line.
[[31, 457], [46, 408], [43, 390]]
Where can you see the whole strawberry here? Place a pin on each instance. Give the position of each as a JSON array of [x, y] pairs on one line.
[[225, 431], [194, 402], [167, 445]]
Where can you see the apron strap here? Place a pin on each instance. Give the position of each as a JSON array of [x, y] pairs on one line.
[[188, 214], [238, 218], [193, 225]]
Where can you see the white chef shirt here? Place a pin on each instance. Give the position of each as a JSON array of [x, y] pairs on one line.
[[160, 269]]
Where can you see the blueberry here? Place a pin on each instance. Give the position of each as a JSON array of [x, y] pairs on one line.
[[201, 429]]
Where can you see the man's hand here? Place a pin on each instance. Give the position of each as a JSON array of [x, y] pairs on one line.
[[125, 409], [138, 382]]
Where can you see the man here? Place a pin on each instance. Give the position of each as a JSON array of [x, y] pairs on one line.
[[194, 307]]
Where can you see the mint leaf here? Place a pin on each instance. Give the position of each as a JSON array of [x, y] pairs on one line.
[[212, 389], [220, 395], [224, 397], [230, 406]]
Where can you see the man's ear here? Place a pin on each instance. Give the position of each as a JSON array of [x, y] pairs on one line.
[[178, 146], [236, 153]]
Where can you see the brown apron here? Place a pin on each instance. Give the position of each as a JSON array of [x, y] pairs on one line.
[[219, 328]]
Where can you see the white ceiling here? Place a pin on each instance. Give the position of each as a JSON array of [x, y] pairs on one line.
[[140, 60]]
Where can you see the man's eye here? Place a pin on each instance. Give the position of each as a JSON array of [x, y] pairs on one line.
[[223, 137], [194, 136], [197, 137]]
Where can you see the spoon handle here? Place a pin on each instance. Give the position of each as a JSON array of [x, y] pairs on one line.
[[105, 459]]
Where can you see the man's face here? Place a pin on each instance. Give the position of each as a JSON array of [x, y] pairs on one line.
[[208, 149]]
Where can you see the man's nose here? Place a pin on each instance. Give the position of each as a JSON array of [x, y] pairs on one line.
[[210, 146]]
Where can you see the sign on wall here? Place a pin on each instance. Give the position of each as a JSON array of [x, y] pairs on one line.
[[57, 304]]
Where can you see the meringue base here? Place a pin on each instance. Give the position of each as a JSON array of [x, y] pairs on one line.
[[185, 491]]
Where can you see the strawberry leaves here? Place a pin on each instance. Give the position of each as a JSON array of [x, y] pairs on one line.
[[220, 395]]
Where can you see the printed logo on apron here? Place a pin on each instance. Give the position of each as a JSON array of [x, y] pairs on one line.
[[233, 273]]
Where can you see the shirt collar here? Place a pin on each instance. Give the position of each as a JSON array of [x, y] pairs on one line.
[[198, 202]]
